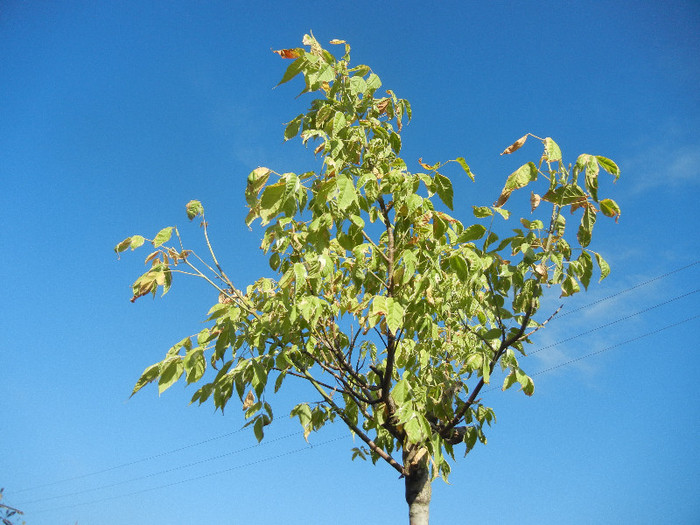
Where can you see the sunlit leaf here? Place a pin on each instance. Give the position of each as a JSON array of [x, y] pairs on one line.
[[162, 236], [603, 265], [518, 179], [443, 187], [552, 153], [465, 167], [610, 208], [609, 166]]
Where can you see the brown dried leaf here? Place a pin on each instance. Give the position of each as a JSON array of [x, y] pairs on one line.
[[541, 271], [287, 53], [428, 166], [382, 105], [249, 400], [515, 146], [503, 198], [534, 200]]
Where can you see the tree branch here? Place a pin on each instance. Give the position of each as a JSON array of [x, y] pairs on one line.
[[504, 346]]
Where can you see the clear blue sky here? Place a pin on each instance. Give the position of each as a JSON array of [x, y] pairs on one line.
[[114, 114]]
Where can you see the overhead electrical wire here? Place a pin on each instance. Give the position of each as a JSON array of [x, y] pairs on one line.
[[197, 478], [167, 471]]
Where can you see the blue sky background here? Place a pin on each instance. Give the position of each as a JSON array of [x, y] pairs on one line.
[[115, 114]]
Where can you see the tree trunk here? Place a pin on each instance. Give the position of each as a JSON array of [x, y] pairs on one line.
[[418, 491]]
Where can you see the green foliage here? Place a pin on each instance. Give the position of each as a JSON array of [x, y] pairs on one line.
[[394, 310]]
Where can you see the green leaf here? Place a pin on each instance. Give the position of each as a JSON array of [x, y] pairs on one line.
[[394, 314], [256, 182], [482, 211], [503, 213], [516, 180], [373, 83], [585, 231], [472, 233], [194, 208], [401, 393], [303, 412], [395, 141], [271, 200], [170, 372], [162, 236], [292, 128], [347, 195], [552, 153], [148, 376], [294, 68], [460, 267], [603, 265], [443, 187], [586, 268], [509, 381], [195, 365], [465, 167], [569, 286], [610, 208], [122, 246], [136, 241], [258, 428], [609, 166]]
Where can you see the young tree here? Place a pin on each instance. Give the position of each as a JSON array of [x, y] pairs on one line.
[[395, 312]]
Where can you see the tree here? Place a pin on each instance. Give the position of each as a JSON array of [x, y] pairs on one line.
[[394, 311]]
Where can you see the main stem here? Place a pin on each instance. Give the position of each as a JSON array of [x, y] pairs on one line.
[[418, 489]]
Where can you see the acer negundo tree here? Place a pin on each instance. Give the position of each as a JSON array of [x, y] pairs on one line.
[[393, 310]]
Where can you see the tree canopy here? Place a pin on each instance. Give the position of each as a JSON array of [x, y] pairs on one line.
[[396, 312]]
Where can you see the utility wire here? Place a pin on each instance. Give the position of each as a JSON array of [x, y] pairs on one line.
[[616, 345], [607, 348], [639, 285], [135, 462], [197, 478], [615, 321], [167, 471]]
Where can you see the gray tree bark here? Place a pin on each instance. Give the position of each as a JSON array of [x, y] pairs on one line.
[[418, 491]]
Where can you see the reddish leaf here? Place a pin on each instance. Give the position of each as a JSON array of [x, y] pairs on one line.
[[287, 53], [515, 146]]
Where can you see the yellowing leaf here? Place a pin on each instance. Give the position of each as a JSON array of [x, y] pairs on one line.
[[515, 146], [428, 166], [335, 41], [552, 153]]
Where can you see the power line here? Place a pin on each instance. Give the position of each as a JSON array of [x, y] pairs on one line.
[[614, 322], [638, 285], [197, 478], [616, 345], [607, 348], [130, 463], [167, 471]]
